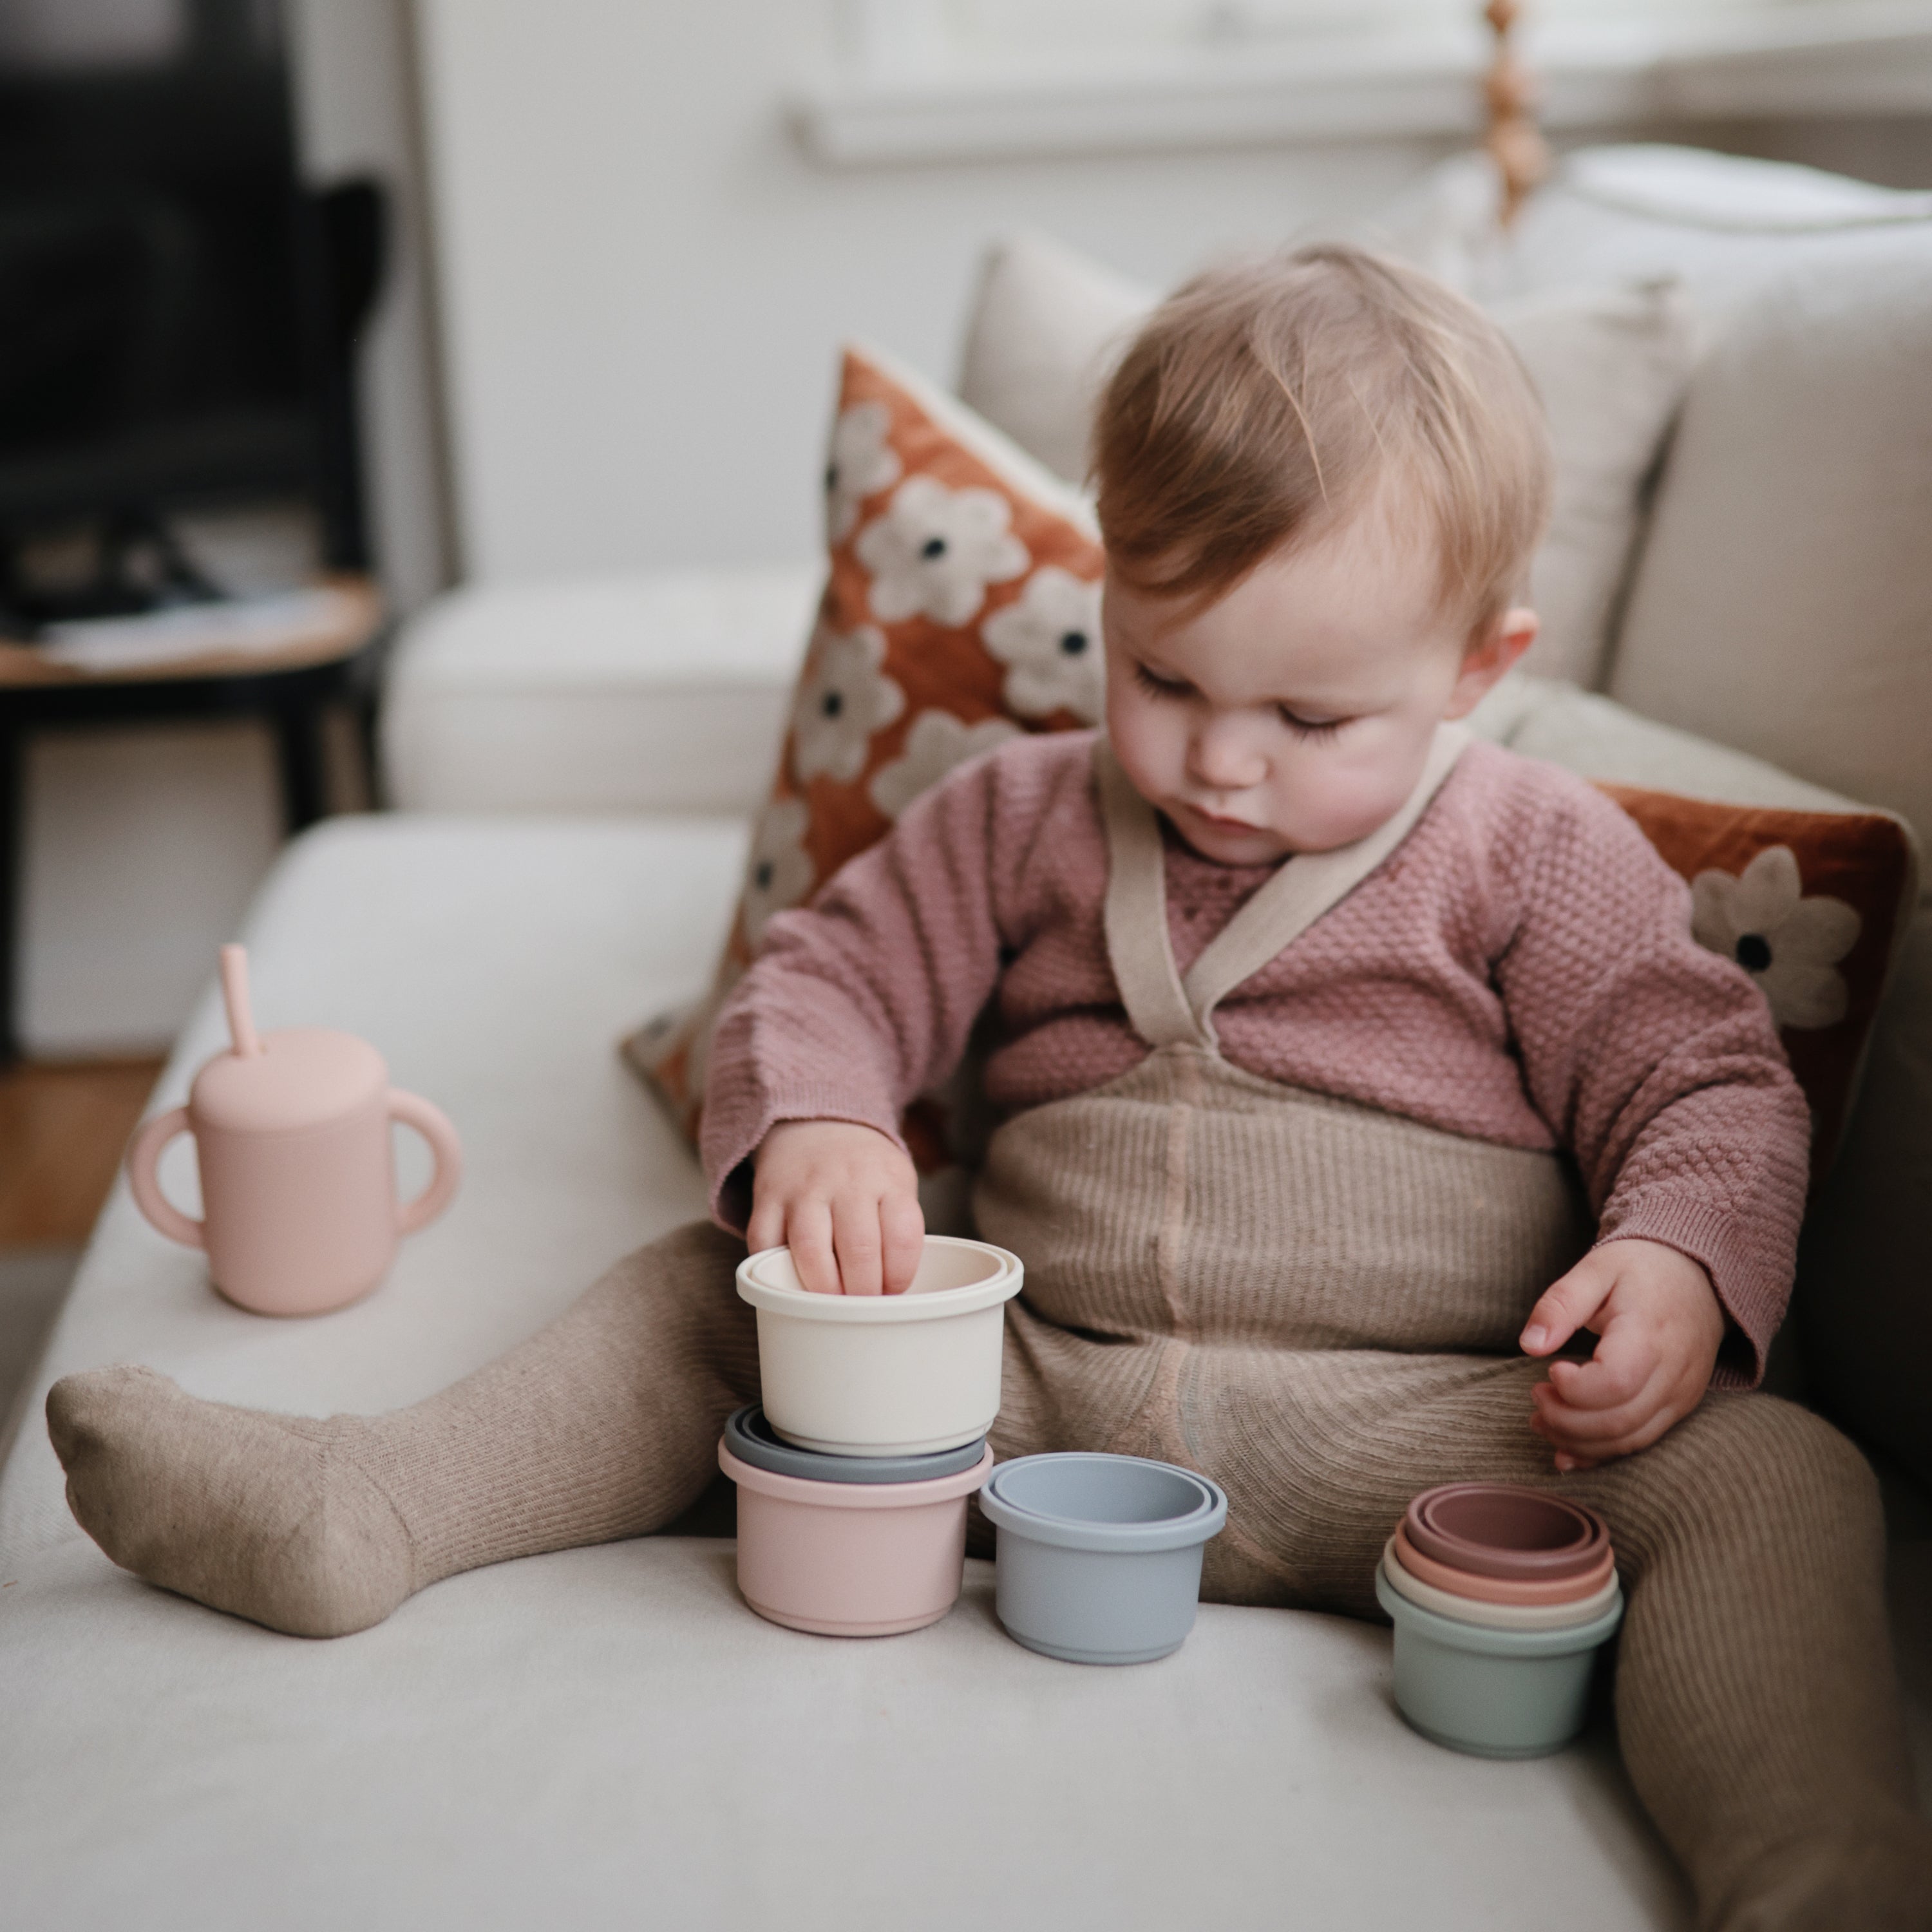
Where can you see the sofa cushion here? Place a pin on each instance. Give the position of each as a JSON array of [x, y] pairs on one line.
[[962, 606], [1046, 326], [1725, 225], [663, 692], [607, 1736], [1783, 599], [1610, 364]]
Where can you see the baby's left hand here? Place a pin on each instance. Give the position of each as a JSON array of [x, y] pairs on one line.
[[1659, 1325]]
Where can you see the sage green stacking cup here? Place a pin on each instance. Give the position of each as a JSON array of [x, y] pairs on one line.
[[1493, 1693]]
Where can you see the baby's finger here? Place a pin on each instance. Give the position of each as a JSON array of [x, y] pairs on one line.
[[903, 1225], [1627, 1444], [1567, 1305], [1589, 1429], [1622, 1363], [808, 1232], [765, 1228], [855, 1234]]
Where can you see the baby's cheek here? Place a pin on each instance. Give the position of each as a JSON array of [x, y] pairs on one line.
[[1150, 746], [1339, 804]]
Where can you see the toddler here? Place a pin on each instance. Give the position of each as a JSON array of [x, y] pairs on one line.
[[1347, 1069]]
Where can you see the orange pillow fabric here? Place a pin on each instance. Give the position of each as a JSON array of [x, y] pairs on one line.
[[962, 604], [1812, 904]]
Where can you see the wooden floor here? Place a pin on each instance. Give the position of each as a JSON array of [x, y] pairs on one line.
[[63, 1130]]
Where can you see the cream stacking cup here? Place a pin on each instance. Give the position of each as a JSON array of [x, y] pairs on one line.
[[884, 1375], [1501, 1597]]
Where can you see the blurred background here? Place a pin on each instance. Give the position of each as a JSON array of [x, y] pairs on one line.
[[310, 309]]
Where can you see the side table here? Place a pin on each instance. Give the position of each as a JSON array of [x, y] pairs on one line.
[[289, 687]]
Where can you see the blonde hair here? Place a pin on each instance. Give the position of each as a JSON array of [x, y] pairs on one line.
[[1269, 399]]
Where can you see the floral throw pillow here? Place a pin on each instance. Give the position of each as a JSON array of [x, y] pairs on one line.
[[962, 605], [1812, 904]]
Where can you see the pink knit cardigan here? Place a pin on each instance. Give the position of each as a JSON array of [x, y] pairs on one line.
[[1520, 970]]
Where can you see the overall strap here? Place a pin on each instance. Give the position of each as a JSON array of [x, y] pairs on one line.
[[1162, 1008], [1137, 946]]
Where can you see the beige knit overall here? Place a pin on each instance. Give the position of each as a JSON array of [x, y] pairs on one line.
[[1314, 1303]]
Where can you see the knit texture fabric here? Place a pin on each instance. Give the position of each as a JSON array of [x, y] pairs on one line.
[[1519, 971]]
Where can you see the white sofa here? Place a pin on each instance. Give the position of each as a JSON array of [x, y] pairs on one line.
[[607, 1736]]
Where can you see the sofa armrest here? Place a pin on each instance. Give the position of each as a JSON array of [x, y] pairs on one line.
[[663, 692]]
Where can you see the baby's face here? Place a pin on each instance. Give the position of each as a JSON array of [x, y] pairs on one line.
[[1294, 715]]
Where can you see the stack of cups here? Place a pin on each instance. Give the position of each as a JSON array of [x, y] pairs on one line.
[[852, 1478], [1501, 1597]]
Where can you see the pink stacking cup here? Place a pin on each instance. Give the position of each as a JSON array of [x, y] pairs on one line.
[[846, 1557]]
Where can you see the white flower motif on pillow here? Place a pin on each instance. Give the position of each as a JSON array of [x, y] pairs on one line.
[[843, 698], [935, 550], [937, 741], [1789, 944], [779, 873], [1050, 643], [859, 464]]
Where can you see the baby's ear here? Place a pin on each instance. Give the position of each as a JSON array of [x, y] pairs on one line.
[[1488, 656]]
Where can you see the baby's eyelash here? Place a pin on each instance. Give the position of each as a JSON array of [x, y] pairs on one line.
[[1157, 687], [1303, 728]]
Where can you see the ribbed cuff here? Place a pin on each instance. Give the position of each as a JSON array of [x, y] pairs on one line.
[[1725, 1246], [730, 1150]]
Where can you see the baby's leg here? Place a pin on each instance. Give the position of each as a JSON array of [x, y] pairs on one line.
[[1757, 1707], [603, 1424]]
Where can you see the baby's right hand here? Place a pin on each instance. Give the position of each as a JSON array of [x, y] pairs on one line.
[[844, 1199]]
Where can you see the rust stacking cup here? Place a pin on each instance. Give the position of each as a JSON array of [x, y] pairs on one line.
[[1498, 1529]]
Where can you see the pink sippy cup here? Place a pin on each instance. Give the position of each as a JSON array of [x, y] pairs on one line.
[[298, 1178]]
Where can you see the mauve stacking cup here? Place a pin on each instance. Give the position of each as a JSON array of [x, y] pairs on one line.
[[848, 1546], [1501, 1597]]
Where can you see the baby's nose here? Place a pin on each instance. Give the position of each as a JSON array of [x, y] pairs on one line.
[[1223, 763]]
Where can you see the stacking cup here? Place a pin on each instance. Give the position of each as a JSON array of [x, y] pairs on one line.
[[1491, 1692], [1099, 1556], [1504, 1530], [1500, 1597], [884, 1375], [1491, 1615], [848, 1546]]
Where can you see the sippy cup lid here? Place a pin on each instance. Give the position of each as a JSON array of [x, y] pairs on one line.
[[283, 1081]]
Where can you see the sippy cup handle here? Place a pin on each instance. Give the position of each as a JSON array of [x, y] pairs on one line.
[[143, 1157], [433, 1124]]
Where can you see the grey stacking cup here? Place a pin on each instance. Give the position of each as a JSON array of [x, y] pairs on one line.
[[1099, 1556], [1493, 1693]]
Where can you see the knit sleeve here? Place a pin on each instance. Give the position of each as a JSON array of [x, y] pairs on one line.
[[865, 998], [1656, 1063]]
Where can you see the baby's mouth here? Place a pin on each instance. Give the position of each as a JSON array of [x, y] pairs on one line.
[[1218, 822]]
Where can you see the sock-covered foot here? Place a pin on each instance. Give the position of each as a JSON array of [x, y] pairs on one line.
[[268, 1516]]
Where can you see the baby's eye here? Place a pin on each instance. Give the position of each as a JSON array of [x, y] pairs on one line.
[[1310, 728], [1158, 687]]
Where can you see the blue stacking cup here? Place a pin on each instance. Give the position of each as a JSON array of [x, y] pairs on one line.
[[1099, 1556]]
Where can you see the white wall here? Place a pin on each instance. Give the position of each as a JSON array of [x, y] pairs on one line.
[[644, 280]]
